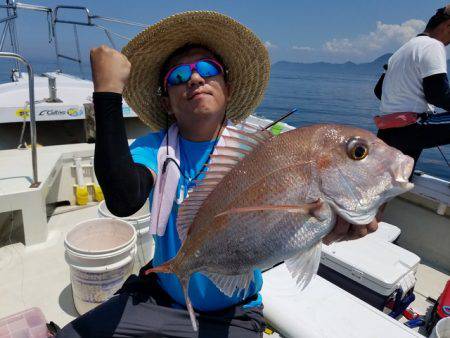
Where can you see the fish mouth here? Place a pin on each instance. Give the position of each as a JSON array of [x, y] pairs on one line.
[[402, 171], [362, 214], [361, 210]]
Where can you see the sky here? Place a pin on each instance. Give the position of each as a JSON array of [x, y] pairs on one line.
[[300, 31]]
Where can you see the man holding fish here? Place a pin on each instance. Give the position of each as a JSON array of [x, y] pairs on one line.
[[227, 201]]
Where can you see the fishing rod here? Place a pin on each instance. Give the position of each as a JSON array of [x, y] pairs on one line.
[[293, 110]]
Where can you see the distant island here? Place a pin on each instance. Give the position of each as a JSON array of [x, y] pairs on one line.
[[374, 67], [371, 68]]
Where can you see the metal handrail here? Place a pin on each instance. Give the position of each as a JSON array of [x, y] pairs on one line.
[[11, 15], [90, 17], [88, 22], [85, 9], [7, 55]]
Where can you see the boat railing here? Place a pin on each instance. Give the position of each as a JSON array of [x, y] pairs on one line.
[[11, 7], [17, 57], [55, 17], [90, 21]]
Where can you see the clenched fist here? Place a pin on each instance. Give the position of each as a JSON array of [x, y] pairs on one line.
[[110, 69]]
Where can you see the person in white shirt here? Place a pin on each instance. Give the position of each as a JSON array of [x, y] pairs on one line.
[[415, 83]]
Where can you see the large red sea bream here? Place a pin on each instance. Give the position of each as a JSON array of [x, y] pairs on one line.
[[267, 199]]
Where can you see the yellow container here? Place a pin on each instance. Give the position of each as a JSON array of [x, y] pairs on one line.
[[98, 193], [81, 195]]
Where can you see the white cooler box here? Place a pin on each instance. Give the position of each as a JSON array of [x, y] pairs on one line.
[[323, 310], [387, 232], [369, 268]]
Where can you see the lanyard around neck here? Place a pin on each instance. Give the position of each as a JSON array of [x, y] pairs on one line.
[[168, 159]]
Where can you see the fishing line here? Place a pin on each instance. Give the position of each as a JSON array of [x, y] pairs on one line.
[[169, 159], [293, 110]]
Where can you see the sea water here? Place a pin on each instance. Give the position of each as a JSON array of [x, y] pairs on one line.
[[345, 98]]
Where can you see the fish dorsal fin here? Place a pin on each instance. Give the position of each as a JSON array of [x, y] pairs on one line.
[[230, 284], [238, 144], [304, 265], [251, 131]]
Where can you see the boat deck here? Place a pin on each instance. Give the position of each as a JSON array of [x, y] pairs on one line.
[[29, 271], [37, 274]]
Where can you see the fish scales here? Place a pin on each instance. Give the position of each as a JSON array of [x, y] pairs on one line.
[[269, 157], [256, 248], [255, 228]]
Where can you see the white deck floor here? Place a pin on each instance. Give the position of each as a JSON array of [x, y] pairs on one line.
[[39, 276]]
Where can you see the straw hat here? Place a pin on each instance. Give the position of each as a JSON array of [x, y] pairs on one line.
[[242, 52]]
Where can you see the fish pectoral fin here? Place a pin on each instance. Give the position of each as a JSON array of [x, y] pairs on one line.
[[314, 209], [304, 265], [229, 284]]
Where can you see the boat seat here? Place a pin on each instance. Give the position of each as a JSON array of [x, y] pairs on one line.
[[322, 310]]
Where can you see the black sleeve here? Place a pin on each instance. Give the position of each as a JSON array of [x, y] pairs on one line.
[[437, 91], [379, 87], [125, 184]]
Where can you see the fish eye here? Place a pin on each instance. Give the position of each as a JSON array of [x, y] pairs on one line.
[[357, 148]]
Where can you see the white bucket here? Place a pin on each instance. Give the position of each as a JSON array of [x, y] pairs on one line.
[[442, 329], [100, 253], [141, 222]]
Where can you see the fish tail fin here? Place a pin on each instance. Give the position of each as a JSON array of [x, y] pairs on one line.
[[185, 285], [167, 267]]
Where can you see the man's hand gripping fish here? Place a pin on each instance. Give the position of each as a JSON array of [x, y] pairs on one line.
[[267, 199]]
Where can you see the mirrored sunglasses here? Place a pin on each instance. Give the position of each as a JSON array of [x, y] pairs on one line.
[[182, 73]]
